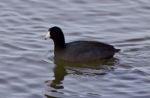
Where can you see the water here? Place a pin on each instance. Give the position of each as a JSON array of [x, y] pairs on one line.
[[27, 68]]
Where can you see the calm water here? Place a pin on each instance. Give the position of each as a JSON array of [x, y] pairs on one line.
[[27, 67]]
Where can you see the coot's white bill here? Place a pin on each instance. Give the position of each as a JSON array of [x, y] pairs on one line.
[[47, 35]]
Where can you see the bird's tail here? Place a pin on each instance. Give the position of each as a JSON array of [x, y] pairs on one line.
[[117, 50]]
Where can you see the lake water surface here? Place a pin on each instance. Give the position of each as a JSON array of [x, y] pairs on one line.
[[27, 67]]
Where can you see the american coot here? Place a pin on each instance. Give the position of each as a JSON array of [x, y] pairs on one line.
[[79, 51]]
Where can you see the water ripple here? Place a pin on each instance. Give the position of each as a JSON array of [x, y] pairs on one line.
[[27, 59]]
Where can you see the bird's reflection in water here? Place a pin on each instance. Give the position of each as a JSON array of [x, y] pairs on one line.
[[62, 68], [59, 74]]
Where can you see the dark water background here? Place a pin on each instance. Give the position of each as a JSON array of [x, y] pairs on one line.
[[27, 68]]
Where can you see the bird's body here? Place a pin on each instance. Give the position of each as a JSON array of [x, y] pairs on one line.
[[88, 51], [78, 51]]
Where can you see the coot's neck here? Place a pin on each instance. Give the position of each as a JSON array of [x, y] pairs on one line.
[[59, 43]]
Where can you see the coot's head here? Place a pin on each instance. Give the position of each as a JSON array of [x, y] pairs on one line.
[[56, 34]]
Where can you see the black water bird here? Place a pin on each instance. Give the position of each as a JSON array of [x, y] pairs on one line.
[[79, 51]]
